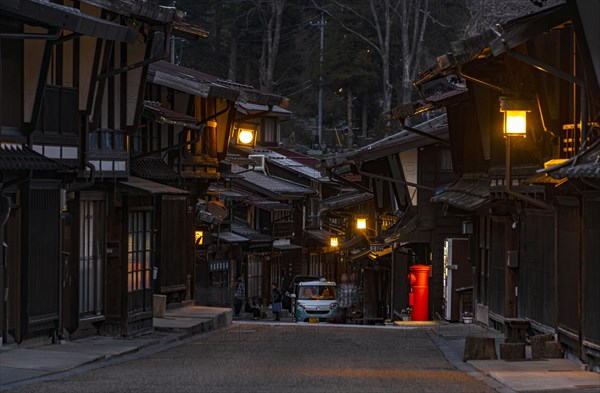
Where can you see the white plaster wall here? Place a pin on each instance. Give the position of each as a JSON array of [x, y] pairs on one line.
[[409, 161]]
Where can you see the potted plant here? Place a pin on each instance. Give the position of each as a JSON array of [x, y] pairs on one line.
[[467, 317], [405, 313]]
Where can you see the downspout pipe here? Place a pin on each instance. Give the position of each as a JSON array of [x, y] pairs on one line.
[[518, 195]]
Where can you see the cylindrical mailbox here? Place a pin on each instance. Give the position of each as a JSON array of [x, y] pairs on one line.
[[419, 281]]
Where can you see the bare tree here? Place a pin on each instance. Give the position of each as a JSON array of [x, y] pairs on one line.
[[270, 13], [378, 33], [484, 14]]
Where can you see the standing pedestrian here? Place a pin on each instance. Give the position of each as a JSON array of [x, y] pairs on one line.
[[277, 298], [346, 297], [239, 295]]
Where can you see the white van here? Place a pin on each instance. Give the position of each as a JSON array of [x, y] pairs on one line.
[[315, 301]]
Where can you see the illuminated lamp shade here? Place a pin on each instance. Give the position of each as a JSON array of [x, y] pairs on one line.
[[333, 242], [515, 123], [361, 223], [246, 135]]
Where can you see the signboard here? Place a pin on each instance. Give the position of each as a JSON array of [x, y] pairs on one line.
[[376, 246]]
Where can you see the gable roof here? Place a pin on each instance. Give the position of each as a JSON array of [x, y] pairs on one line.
[[205, 85]]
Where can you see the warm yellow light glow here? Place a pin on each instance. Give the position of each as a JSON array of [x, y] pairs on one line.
[[361, 223], [515, 123], [333, 242], [245, 136], [199, 237]]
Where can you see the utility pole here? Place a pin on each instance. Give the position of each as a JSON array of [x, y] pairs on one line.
[[321, 26]]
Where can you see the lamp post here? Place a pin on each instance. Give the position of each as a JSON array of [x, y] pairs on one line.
[[515, 125]]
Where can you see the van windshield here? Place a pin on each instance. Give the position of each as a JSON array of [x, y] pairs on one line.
[[312, 292]]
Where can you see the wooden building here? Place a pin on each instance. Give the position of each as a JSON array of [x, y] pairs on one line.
[[531, 197]]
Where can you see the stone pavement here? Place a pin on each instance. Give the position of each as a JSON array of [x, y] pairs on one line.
[[529, 375], [21, 365], [39, 361]]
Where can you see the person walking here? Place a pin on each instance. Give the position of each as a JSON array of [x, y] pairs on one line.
[[346, 297], [276, 299], [239, 295]]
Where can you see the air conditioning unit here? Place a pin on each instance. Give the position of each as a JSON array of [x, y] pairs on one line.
[[259, 162]]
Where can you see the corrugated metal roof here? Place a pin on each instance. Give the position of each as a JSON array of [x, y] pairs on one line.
[[283, 161], [250, 108], [230, 237], [318, 234], [393, 144], [432, 102], [152, 168], [142, 10], [69, 18], [270, 185], [18, 157], [253, 235], [493, 42], [346, 200], [469, 193], [150, 187], [155, 111], [205, 85]]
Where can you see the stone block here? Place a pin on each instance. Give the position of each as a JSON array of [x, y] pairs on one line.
[[512, 351], [541, 338], [553, 350], [479, 348], [159, 305], [538, 345]]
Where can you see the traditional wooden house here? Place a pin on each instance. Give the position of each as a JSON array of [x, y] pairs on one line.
[[72, 82], [190, 120], [402, 226], [534, 244]]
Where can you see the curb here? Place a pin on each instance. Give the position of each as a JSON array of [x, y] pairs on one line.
[[454, 359]]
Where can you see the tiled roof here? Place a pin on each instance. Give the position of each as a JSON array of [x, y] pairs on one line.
[[153, 168], [18, 157], [584, 166], [469, 193]]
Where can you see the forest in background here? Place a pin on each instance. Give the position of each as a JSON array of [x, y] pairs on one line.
[[357, 57]]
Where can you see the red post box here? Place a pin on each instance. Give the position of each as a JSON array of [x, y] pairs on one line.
[[419, 292]]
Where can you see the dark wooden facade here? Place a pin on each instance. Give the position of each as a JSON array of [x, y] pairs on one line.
[[532, 247], [70, 101]]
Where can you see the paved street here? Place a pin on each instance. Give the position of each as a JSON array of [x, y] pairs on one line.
[[263, 357]]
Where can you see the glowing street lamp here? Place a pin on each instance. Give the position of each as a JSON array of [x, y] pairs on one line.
[[515, 117], [333, 241], [246, 135], [361, 223]]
